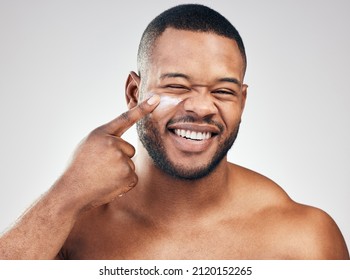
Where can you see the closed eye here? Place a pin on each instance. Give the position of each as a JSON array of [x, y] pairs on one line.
[[175, 86], [224, 92]]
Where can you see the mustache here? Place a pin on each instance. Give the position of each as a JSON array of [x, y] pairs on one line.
[[191, 119]]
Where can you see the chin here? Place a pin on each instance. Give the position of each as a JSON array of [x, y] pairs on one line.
[[186, 172]]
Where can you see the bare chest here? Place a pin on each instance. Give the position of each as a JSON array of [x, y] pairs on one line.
[[137, 241]]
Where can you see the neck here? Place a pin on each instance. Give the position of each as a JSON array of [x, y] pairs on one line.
[[165, 197]]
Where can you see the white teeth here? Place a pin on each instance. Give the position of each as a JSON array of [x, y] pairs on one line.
[[192, 134]]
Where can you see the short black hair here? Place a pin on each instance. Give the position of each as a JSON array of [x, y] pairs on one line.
[[192, 17]]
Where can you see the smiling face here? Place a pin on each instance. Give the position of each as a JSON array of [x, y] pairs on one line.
[[199, 77]]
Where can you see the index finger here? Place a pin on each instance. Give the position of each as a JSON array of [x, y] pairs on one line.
[[122, 123]]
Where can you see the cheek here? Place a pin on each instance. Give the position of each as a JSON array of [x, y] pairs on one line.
[[164, 111], [167, 103], [231, 115]]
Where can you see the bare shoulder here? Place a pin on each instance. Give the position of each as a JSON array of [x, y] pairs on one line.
[[263, 192], [307, 232], [294, 230]]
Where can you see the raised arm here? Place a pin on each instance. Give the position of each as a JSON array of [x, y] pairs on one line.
[[101, 170]]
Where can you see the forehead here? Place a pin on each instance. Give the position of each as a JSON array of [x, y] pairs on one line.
[[199, 54]]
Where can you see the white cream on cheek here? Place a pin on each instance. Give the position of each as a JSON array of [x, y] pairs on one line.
[[166, 102]]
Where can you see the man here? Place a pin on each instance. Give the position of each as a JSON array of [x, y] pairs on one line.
[[179, 197]]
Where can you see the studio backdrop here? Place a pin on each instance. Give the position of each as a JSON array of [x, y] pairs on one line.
[[63, 67]]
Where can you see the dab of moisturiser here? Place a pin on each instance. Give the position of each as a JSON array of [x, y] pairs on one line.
[[168, 101]]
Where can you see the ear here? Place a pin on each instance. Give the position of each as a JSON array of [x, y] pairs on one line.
[[244, 95], [132, 89]]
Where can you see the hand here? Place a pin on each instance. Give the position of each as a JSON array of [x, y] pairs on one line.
[[102, 167]]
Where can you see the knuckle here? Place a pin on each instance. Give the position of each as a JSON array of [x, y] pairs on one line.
[[125, 117], [132, 165], [97, 130], [124, 169], [119, 155], [132, 179], [110, 141], [94, 134], [130, 150], [129, 178], [132, 184]]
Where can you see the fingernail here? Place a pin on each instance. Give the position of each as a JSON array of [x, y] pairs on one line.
[[153, 100]]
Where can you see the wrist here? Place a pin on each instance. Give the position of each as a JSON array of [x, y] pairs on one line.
[[68, 195]]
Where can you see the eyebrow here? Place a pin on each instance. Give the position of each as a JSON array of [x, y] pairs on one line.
[[174, 75], [231, 80], [181, 75]]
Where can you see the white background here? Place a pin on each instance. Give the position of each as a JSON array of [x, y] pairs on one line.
[[63, 66]]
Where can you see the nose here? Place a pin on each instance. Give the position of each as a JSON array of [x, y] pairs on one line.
[[201, 104]]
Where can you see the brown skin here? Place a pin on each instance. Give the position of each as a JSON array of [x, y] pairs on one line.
[[101, 170], [233, 213]]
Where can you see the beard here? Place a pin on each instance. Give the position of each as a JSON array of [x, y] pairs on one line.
[[151, 140]]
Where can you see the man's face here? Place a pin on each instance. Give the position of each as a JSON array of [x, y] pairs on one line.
[[199, 77]]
